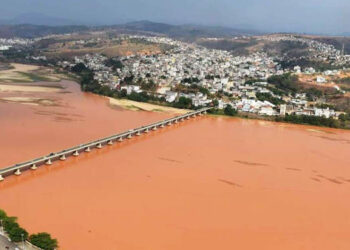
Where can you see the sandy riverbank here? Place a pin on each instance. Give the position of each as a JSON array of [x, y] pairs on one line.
[[20, 67], [23, 73], [27, 88], [29, 101], [136, 106]]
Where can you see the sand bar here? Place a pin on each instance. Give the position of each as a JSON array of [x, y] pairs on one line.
[[132, 105], [24, 88]]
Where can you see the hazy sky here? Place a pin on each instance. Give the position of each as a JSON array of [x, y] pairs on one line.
[[317, 16]]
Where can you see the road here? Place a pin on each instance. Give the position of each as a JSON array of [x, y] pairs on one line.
[[5, 243]]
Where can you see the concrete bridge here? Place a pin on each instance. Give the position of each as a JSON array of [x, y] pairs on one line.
[[87, 147]]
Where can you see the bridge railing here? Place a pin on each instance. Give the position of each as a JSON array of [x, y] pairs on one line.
[[15, 169]]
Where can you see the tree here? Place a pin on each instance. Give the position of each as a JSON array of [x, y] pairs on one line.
[[114, 63], [183, 103], [286, 82], [215, 103], [230, 111], [9, 223], [268, 97], [78, 68], [17, 234], [44, 241], [3, 214]]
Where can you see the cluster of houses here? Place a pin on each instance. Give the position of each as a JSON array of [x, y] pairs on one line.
[[210, 68], [319, 51], [6, 44], [215, 70]]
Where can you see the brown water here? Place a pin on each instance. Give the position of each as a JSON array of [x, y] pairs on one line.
[[208, 183]]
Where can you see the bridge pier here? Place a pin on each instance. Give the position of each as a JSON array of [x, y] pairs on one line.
[[1, 178], [87, 149], [170, 123], [182, 119], [155, 128], [63, 158], [99, 146], [187, 117], [48, 162], [147, 130], [162, 126], [33, 167], [120, 139], [18, 172], [110, 142], [138, 133], [129, 136], [176, 121], [76, 153]]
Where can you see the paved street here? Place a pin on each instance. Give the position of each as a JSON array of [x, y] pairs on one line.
[[5, 244]]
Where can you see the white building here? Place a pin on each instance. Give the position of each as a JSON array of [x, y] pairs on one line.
[[171, 96], [321, 79]]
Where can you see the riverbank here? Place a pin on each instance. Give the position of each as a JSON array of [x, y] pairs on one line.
[[29, 101], [289, 119], [25, 73], [28, 88], [143, 106]]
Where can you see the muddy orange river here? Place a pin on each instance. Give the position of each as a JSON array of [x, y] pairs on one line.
[[208, 183]]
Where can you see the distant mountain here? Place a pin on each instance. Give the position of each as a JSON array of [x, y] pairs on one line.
[[35, 25], [32, 31], [185, 31]]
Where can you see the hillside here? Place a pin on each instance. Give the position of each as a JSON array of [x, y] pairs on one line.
[[247, 45], [184, 31]]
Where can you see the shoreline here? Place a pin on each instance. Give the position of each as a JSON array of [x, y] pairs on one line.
[[242, 116], [144, 106]]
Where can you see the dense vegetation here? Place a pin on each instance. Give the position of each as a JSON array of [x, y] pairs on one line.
[[114, 63], [311, 120], [306, 63], [43, 240], [193, 88], [268, 97], [287, 82], [227, 111], [18, 234]]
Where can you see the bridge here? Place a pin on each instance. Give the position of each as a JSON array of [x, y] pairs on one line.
[[87, 147]]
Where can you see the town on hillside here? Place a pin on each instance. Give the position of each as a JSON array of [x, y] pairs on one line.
[[258, 84]]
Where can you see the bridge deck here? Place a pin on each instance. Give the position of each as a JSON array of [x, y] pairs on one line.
[[48, 159]]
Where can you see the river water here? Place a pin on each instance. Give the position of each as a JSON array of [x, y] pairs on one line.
[[208, 183]]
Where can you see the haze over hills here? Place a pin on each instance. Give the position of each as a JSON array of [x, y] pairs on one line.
[[179, 30], [186, 31], [27, 27]]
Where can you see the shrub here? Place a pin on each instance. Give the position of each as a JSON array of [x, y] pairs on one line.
[[43, 240], [17, 234], [230, 111]]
